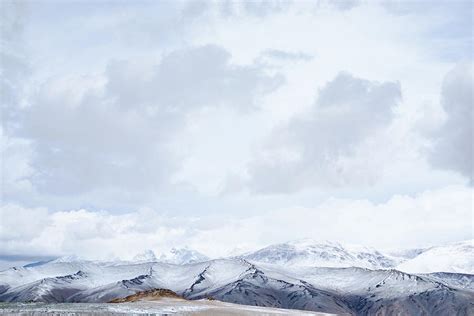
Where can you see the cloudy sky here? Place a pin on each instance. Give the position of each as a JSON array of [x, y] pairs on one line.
[[224, 126]]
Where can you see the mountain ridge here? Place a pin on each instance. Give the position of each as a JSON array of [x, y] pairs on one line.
[[353, 290], [303, 275]]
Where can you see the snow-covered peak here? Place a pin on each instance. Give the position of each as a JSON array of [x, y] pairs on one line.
[[406, 254], [309, 242], [455, 257], [308, 252], [67, 259], [146, 256], [183, 256]]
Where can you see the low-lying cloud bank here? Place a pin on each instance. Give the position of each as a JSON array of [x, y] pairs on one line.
[[431, 217]]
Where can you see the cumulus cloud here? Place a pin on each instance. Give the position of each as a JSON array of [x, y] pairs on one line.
[[158, 104], [14, 167], [14, 78], [114, 131], [417, 220], [82, 232], [257, 8], [14, 65], [454, 140], [16, 224], [308, 149], [189, 79], [286, 55], [262, 9]]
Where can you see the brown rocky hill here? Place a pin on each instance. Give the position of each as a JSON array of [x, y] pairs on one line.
[[148, 295]]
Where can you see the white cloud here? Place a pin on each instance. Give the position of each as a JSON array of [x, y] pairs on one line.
[[15, 169], [82, 232], [14, 65], [163, 104], [118, 107], [307, 150], [454, 140], [17, 225], [115, 131], [427, 218]]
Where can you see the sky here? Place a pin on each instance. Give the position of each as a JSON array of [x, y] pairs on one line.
[[225, 126]]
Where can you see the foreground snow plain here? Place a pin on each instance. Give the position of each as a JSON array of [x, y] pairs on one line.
[[164, 306]]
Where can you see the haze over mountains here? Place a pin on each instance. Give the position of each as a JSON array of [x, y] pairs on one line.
[[175, 256], [324, 277]]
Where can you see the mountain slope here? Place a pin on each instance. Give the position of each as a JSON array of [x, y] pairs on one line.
[[455, 280], [455, 257], [183, 256], [334, 290], [146, 256], [255, 287], [49, 290], [324, 277], [327, 254]]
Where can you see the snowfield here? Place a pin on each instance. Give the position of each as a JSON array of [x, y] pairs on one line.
[[456, 258], [165, 306]]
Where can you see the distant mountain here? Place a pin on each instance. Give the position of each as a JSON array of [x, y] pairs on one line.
[[51, 289], [36, 263], [304, 274], [355, 291], [183, 256], [455, 280], [406, 254], [146, 256], [308, 252], [455, 257], [69, 258]]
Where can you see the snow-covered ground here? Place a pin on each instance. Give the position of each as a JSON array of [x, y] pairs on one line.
[[165, 306]]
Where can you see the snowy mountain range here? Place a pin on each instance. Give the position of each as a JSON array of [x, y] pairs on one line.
[[456, 257], [175, 256], [183, 256], [325, 277], [307, 252]]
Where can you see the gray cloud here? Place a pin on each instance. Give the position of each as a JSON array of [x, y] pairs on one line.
[[118, 137], [286, 55], [308, 150], [15, 71], [344, 5], [104, 235], [191, 78], [256, 8], [117, 108], [262, 9], [453, 142], [14, 66]]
